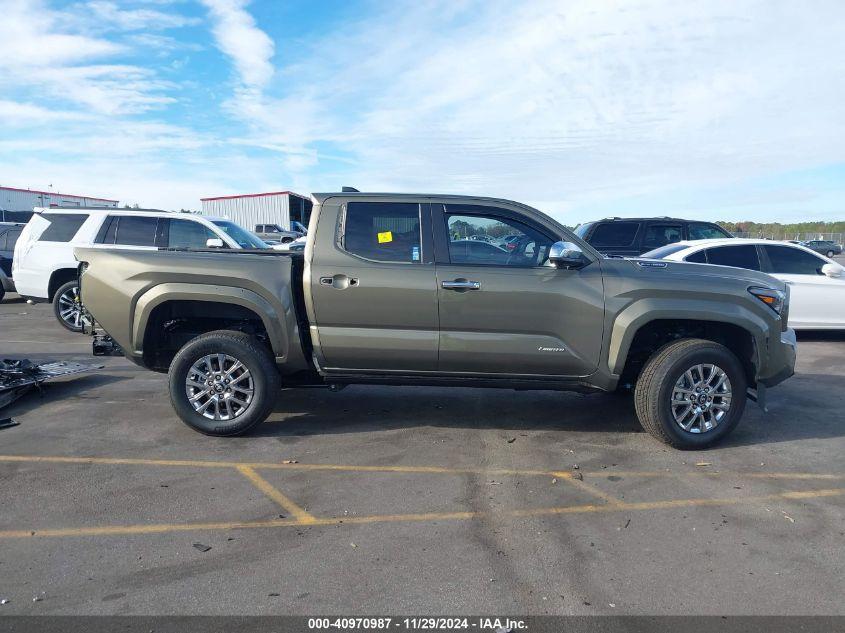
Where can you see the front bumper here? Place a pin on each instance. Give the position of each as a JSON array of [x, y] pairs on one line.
[[781, 359]]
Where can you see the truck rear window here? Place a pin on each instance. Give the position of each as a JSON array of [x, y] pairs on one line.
[[383, 231], [63, 226]]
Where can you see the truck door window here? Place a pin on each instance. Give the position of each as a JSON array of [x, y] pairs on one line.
[[383, 231], [494, 241], [617, 234], [661, 234], [737, 256]]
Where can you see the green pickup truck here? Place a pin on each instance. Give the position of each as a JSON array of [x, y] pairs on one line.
[[447, 291]]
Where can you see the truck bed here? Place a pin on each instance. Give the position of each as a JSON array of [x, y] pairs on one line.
[[127, 290]]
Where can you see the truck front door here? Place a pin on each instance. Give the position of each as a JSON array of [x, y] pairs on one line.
[[372, 287], [503, 309]]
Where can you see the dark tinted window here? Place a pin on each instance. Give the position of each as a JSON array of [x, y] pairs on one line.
[[792, 261], [136, 231], [697, 258], [106, 233], [614, 234], [736, 256], [661, 234], [62, 226], [11, 238], [664, 251], [384, 231], [494, 240], [15, 216], [188, 234], [706, 231]]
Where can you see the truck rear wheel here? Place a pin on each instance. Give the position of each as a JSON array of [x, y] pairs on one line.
[[691, 393], [223, 383]]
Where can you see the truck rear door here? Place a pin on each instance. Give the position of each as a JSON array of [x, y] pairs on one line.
[[371, 286]]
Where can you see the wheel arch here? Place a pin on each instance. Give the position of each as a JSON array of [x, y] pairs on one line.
[[233, 303], [58, 278], [647, 324]]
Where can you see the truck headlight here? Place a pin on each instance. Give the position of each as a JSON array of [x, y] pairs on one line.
[[773, 298]]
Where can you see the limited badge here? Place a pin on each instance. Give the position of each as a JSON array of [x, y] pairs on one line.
[[385, 237]]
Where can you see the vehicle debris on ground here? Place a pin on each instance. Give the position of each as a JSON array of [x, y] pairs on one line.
[[17, 377]]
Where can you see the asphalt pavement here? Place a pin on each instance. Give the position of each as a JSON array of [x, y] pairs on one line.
[[412, 500]]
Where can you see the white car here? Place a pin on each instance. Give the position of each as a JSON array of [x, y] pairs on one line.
[[816, 283], [44, 268]]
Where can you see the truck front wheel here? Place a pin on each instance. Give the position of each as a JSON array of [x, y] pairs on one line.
[[223, 383], [691, 393]]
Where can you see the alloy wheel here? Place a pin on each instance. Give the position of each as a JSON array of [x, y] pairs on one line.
[[701, 398], [219, 387], [70, 307]]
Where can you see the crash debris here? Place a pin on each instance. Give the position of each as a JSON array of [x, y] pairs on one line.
[[18, 376]]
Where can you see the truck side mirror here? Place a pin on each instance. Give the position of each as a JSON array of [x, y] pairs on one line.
[[566, 255], [832, 270], [214, 242]]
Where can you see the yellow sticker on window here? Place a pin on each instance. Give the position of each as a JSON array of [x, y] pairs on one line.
[[387, 236]]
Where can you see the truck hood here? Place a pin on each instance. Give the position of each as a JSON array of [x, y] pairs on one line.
[[706, 271]]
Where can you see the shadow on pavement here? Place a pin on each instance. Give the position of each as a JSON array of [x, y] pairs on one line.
[[361, 409]]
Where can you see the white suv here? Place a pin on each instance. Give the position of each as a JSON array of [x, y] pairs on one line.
[[44, 268]]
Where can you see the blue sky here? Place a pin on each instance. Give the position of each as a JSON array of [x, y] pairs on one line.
[[721, 110]]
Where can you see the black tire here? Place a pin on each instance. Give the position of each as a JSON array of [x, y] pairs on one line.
[[654, 391], [68, 291], [2, 293], [830, 254], [266, 381]]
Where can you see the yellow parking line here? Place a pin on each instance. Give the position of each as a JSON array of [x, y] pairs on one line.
[[276, 495], [273, 465], [715, 473], [412, 469], [420, 517], [588, 488]]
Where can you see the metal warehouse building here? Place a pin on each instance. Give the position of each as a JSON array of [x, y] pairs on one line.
[[275, 207], [17, 204]]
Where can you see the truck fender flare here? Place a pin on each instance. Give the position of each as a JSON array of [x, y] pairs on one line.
[[162, 293], [631, 319]]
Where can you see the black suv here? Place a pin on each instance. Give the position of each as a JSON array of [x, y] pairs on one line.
[[630, 237], [9, 234]]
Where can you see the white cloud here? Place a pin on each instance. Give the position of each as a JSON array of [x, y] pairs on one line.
[[237, 36], [37, 52], [112, 15], [572, 103]]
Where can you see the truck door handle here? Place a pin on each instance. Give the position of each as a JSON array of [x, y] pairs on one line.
[[339, 281], [461, 284]]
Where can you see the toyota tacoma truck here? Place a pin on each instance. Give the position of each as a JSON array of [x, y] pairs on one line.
[[446, 291]]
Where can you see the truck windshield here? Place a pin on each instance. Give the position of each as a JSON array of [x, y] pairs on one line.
[[244, 238]]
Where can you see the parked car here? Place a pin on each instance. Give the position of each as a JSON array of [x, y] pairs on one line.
[[15, 217], [630, 237], [380, 297], [816, 283], [9, 234], [825, 247], [44, 268], [276, 233]]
